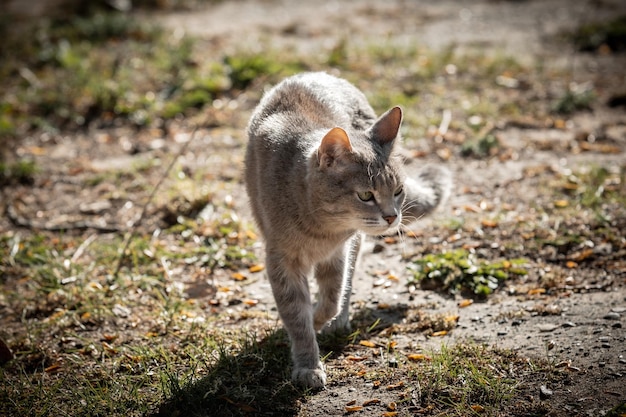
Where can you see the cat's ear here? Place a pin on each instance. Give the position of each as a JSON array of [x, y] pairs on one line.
[[334, 147], [386, 128]]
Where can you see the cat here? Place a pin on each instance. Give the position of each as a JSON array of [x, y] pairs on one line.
[[320, 171]]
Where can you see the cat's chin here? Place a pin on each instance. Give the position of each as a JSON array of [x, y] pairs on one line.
[[381, 231]]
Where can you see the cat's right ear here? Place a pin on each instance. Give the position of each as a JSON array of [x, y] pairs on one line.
[[333, 148]]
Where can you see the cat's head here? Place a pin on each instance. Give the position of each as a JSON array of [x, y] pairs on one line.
[[357, 180]]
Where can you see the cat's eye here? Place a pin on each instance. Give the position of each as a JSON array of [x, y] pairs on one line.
[[365, 195], [398, 191]]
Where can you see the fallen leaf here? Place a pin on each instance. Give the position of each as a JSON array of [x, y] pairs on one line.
[[390, 414], [571, 264], [251, 302], [465, 303], [392, 406], [390, 240], [395, 386], [382, 306], [561, 203], [353, 408], [449, 319], [238, 276], [477, 408], [440, 333], [256, 268], [354, 358], [536, 291], [489, 223], [52, 368], [418, 357], [367, 343], [371, 402]]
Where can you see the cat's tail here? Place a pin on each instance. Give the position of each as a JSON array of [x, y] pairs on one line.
[[429, 190]]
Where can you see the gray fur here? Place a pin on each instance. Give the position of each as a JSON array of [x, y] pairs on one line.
[[307, 180]]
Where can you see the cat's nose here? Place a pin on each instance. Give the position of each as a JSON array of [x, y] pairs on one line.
[[390, 219]]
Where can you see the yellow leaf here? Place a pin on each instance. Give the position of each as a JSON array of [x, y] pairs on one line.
[[536, 291], [251, 235], [418, 357], [395, 386], [489, 223], [367, 343], [561, 203], [390, 414], [371, 402], [571, 264], [251, 302], [440, 333], [355, 358], [390, 240], [478, 408], [52, 368], [238, 276], [449, 319], [465, 303], [353, 408], [256, 268]]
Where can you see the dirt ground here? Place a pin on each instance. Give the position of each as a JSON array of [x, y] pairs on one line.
[[580, 324], [586, 325]]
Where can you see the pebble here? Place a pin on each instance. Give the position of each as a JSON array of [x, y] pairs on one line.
[[545, 392], [547, 327], [612, 316], [502, 332], [617, 325], [569, 324]]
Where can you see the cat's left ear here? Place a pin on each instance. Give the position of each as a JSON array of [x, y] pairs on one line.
[[334, 147], [386, 128]]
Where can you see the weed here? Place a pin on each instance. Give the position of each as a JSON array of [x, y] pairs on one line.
[[21, 172], [591, 37], [461, 271]]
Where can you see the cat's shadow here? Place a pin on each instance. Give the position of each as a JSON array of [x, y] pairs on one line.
[[250, 379], [254, 379]]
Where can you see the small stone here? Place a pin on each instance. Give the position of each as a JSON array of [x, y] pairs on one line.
[[569, 324], [516, 322], [612, 316], [617, 325], [502, 333], [606, 345], [378, 248], [392, 362], [545, 392], [618, 310], [602, 364], [547, 327]]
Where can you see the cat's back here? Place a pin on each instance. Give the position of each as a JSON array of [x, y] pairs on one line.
[[305, 102]]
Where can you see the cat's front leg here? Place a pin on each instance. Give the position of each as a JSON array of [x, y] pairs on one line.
[[335, 287], [293, 300]]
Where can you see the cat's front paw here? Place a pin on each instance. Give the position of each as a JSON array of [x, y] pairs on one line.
[[311, 378], [339, 326]]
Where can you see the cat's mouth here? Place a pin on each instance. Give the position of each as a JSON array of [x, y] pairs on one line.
[[379, 229]]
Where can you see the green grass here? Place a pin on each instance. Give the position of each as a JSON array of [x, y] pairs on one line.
[[461, 271], [92, 339]]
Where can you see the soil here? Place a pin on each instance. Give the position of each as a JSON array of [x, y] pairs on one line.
[[578, 326]]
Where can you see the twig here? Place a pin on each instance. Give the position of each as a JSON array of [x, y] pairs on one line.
[[133, 228]]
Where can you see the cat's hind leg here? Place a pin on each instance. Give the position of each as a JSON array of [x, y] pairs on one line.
[[293, 300]]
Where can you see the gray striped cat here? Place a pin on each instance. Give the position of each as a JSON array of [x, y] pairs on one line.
[[320, 171]]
